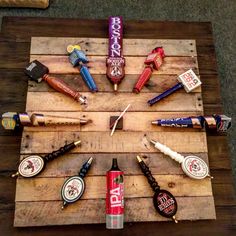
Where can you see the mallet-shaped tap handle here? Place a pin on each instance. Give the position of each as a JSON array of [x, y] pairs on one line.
[[188, 80], [38, 72]]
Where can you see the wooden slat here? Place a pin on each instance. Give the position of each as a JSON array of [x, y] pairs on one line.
[[133, 65], [93, 211], [99, 46], [41, 189], [46, 101], [157, 84], [102, 142], [133, 121], [26, 27], [70, 164]]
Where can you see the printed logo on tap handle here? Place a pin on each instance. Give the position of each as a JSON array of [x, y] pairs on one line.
[[115, 69], [165, 203], [31, 166], [115, 62]]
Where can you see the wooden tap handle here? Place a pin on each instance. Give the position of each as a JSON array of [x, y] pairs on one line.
[[45, 120], [62, 87]]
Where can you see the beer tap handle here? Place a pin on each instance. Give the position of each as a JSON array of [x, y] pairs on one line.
[[85, 168], [167, 151], [61, 151], [151, 180]]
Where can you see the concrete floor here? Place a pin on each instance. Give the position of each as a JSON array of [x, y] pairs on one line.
[[222, 14]]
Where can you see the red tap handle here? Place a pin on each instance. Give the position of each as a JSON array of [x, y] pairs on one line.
[[143, 78], [62, 87]]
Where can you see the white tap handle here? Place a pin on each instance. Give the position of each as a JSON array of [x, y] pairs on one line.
[[164, 149]]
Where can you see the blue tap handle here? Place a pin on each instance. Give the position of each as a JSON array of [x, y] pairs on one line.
[[177, 122], [165, 94], [88, 78]]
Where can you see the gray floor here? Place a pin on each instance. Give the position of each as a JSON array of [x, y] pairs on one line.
[[222, 14]]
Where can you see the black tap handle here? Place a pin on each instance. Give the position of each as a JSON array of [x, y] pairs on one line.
[[61, 151], [151, 180], [85, 168]]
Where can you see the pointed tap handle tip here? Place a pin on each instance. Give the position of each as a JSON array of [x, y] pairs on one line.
[[63, 205], [174, 219], [139, 159], [84, 121], [83, 100], [90, 160], [115, 87], [154, 122], [15, 175], [210, 176], [76, 143], [153, 141]]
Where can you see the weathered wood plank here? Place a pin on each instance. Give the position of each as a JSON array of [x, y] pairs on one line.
[[48, 189], [99, 46], [70, 164], [47, 101], [26, 27], [133, 65], [102, 142], [93, 211], [157, 83], [133, 121], [11, 60]]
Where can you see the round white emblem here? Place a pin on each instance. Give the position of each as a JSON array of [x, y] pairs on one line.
[[195, 167], [31, 166], [72, 189]]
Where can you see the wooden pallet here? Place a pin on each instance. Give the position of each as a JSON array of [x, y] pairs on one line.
[[38, 200]]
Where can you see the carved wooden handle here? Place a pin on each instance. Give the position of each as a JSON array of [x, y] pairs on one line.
[[62, 87], [41, 120]]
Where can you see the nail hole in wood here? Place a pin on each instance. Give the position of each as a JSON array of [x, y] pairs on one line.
[[171, 185]]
